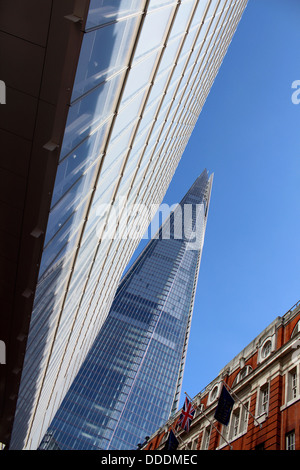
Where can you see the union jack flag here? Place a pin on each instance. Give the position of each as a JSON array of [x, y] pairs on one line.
[[186, 416]]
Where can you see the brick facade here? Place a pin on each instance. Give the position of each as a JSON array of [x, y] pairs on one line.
[[264, 380]]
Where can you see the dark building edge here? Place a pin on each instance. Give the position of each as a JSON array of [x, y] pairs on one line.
[[61, 56]]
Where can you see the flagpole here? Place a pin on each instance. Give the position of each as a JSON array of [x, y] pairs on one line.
[[210, 422], [248, 411], [176, 433]]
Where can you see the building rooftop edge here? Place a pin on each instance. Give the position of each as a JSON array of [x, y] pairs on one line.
[[247, 351]]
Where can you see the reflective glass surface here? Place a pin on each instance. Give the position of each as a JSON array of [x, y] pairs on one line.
[[129, 383], [142, 77]]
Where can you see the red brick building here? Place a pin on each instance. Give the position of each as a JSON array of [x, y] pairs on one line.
[[264, 381]]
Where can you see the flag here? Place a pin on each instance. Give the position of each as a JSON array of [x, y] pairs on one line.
[[224, 407], [187, 414], [172, 442]]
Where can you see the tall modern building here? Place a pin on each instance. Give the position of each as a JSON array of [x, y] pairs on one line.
[[101, 98], [130, 382]]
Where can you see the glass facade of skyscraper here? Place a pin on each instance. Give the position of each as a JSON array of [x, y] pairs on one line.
[[144, 72], [131, 379]]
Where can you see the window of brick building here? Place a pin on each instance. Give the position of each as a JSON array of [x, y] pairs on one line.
[[266, 351], [292, 384], [260, 446], [245, 416], [238, 423], [206, 438], [264, 399], [235, 423], [188, 446], [296, 330], [290, 440], [242, 374], [194, 444]]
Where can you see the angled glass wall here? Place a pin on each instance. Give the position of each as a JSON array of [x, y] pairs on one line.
[[144, 72]]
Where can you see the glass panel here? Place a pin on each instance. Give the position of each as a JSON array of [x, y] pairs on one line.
[[128, 114], [72, 167], [133, 160], [212, 8], [198, 16], [51, 287], [104, 52], [182, 18], [170, 54], [203, 31], [153, 31], [139, 76], [107, 184], [159, 87], [220, 7], [158, 3], [67, 204], [197, 55], [115, 156], [95, 218], [187, 77], [60, 234], [148, 118], [213, 25], [188, 43], [97, 137], [121, 140], [88, 113], [105, 11], [64, 241]]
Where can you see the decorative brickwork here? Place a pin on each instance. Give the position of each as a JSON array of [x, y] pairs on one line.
[[264, 380]]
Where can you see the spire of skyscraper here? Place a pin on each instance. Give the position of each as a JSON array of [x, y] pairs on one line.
[[131, 379]]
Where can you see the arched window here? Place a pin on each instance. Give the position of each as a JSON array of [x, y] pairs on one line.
[[296, 329], [242, 374], [267, 348], [213, 395]]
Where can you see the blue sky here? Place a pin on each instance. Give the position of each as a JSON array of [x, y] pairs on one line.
[[248, 136]]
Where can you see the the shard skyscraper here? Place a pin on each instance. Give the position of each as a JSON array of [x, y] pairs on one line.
[[131, 380]]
